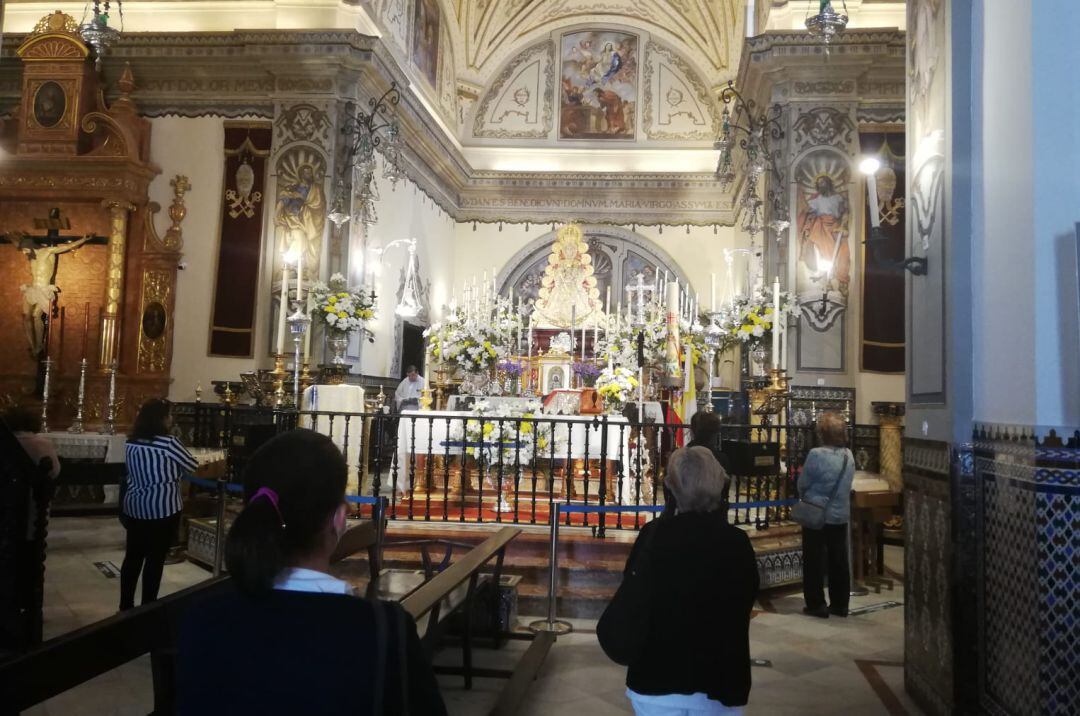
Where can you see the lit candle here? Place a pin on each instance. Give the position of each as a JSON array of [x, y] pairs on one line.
[[712, 297], [85, 328], [776, 325], [282, 310], [871, 197]]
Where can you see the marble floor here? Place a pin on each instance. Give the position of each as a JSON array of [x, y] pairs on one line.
[[811, 666]]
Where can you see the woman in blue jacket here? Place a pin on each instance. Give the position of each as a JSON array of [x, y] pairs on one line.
[[827, 474]]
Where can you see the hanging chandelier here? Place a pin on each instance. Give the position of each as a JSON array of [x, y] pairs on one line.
[[409, 305], [758, 136], [827, 23], [95, 29], [369, 131]]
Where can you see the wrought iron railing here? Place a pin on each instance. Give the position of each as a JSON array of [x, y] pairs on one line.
[[436, 467]]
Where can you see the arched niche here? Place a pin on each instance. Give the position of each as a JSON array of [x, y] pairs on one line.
[[618, 254]]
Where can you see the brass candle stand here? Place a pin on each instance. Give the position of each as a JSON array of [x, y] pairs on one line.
[[279, 374], [770, 398]]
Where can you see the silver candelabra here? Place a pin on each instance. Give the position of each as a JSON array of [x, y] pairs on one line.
[[45, 395], [298, 326], [109, 426], [77, 423]]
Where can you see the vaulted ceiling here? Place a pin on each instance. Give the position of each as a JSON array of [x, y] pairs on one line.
[[704, 31]]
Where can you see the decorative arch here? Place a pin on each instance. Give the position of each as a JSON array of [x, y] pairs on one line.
[[618, 256]]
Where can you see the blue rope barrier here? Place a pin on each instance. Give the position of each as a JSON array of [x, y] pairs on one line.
[[212, 484], [592, 509], [363, 500]]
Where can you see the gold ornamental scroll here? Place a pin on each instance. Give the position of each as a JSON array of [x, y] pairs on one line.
[[114, 281]]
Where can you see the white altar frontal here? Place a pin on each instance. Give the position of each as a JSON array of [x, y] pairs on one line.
[[346, 431], [510, 447]]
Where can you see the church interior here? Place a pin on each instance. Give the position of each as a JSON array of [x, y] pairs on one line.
[[504, 254]]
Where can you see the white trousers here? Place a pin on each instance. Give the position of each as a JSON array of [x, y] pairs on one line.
[[679, 705]]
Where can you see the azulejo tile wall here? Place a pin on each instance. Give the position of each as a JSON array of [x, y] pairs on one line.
[[1028, 534], [928, 620]]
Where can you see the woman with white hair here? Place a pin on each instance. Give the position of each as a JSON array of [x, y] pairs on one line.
[[681, 618]]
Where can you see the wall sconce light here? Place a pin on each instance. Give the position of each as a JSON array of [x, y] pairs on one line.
[[877, 240]]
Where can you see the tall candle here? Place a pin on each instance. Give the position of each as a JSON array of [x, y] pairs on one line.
[[872, 202], [494, 290], [307, 333], [282, 310], [582, 341], [85, 328], [60, 352], [299, 275], [776, 324], [607, 301], [694, 310], [573, 327], [641, 297], [712, 297], [783, 340]]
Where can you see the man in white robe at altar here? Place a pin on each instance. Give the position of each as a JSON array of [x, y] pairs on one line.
[[409, 390]]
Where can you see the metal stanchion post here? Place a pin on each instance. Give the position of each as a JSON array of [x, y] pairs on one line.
[[551, 624], [219, 532]]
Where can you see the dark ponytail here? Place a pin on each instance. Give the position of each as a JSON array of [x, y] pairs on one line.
[[307, 473]]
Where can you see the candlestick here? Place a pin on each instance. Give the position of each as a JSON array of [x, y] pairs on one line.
[[109, 426], [573, 328], [607, 301], [49, 328], [77, 423], [45, 395], [282, 308], [86, 328], [60, 351], [582, 342], [712, 297], [775, 324], [529, 363]]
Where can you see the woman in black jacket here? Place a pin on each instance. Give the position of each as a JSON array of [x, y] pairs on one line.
[[699, 583], [291, 639]]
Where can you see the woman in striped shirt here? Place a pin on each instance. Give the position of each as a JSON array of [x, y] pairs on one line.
[[151, 506]]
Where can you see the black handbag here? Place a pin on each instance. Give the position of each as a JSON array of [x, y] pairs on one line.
[[623, 629], [811, 514]]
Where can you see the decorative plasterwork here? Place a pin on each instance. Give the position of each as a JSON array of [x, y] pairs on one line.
[[249, 73], [519, 103], [705, 30], [677, 103]]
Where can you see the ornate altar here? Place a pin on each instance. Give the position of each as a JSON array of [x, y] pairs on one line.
[[72, 156]]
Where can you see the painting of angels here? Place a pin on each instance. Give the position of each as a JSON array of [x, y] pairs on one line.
[[599, 85]]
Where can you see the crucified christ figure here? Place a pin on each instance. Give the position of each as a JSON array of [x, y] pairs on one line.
[[38, 295]]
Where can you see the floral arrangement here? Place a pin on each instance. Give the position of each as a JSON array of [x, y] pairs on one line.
[[474, 348], [494, 435], [340, 308], [586, 372], [748, 321], [619, 345], [616, 386], [511, 368]]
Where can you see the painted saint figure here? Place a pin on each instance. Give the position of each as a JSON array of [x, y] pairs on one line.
[[823, 245], [301, 214], [39, 294]]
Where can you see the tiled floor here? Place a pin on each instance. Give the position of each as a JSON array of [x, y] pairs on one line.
[[819, 667]]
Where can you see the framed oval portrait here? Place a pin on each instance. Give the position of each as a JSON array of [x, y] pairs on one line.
[[154, 320], [50, 103]]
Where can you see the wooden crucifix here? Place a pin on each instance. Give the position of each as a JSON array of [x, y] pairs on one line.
[[39, 296]]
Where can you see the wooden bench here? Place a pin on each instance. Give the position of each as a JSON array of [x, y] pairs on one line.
[[65, 662]]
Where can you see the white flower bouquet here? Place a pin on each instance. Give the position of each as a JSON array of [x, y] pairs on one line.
[[472, 348], [616, 386], [340, 308]]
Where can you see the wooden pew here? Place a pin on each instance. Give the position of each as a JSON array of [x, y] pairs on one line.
[[65, 662]]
